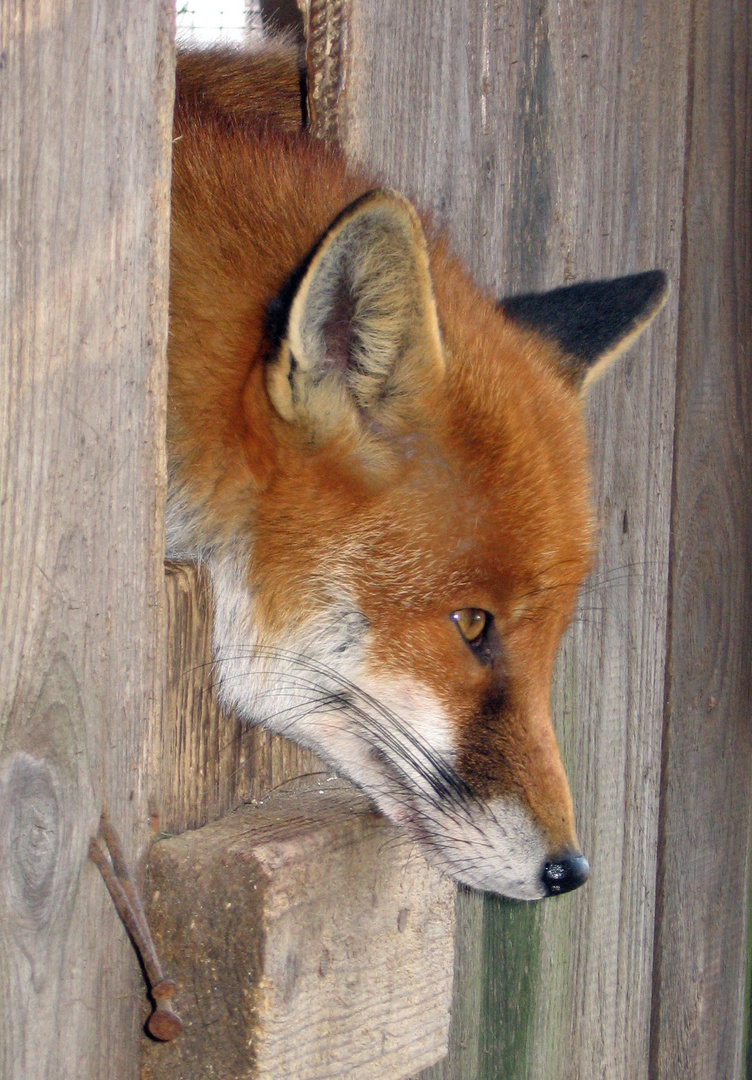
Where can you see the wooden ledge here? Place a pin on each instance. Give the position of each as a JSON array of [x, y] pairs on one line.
[[308, 939]]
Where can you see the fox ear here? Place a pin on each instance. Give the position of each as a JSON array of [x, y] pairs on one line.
[[593, 321], [362, 341]]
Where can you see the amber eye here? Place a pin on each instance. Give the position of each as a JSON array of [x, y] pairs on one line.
[[472, 622]]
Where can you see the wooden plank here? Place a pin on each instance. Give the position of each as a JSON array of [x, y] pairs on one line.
[[701, 969], [85, 132], [307, 938], [615, 208], [549, 140]]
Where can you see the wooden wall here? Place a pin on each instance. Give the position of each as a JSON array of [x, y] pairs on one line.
[[702, 945], [85, 112], [556, 142]]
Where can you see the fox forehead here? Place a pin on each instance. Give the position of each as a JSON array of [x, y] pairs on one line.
[[485, 505]]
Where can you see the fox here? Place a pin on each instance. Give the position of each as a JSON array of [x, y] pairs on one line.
[[385, 471]]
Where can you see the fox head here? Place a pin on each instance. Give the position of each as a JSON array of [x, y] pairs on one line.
[[420, 526]]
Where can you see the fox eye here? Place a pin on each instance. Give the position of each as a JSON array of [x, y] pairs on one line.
[[472, 623]]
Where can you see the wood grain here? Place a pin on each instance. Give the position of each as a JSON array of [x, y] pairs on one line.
[[701, 970], [84, 175], [309, 937], [549, 140]]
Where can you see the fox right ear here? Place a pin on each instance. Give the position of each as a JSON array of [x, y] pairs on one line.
[[592, 322], [362, 342]]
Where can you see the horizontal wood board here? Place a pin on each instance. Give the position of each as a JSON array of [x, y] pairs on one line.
[[86, 92], [307, 938], [549, 140]]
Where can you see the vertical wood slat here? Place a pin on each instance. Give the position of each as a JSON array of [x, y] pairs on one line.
[[549, 139], [613, 146], [706, 829], [84, 185]]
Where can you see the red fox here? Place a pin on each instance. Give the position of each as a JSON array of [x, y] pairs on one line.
[[386, 473]]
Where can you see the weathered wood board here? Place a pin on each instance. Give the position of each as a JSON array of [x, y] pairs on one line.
[[702, 942], [549, 140], [307, 939], [84, 175]]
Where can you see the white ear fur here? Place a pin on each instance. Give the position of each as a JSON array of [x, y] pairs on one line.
[[363, 335]]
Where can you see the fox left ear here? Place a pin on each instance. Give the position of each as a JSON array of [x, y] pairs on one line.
[[362, 342], [593, 321]]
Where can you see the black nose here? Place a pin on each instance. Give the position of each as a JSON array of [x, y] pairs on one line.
[[564, 873]]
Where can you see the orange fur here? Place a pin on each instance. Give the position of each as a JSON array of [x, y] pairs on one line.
[[479, 499]]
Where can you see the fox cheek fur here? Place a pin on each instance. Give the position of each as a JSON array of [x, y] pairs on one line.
[[386, 474]]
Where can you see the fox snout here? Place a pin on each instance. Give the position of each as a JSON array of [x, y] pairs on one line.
[[499, 820]]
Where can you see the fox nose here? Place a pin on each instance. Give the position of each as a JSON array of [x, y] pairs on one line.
[[564, 873]]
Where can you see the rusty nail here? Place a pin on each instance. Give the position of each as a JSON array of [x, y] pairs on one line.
[[163, 1024]]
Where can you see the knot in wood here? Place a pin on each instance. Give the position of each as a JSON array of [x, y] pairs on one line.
[[32, 841]]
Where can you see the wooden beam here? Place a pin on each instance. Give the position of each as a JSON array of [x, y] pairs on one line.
[[702, 966], [84, 172], [307, 938]]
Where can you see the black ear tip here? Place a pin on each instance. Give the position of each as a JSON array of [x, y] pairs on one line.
[[591, 319], [639, 294], [653, 284]]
